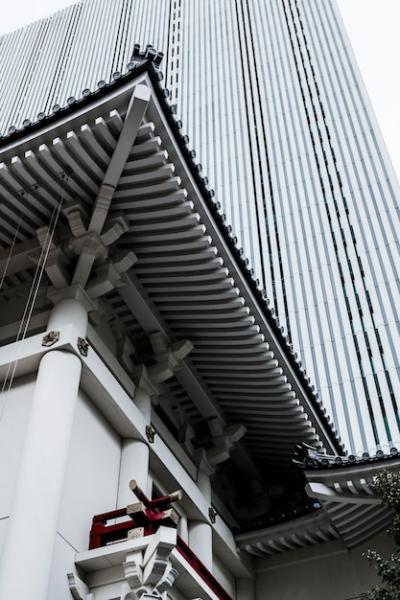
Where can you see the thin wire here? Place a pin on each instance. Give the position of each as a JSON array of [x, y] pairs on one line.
[[36, 291], [43, 267], [12, 365], [29, 306], [12, 247], [34, 281]]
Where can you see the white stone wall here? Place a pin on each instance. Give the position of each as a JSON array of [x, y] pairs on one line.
[[223, 575], [325, 572], [14, 414], [90, 488]]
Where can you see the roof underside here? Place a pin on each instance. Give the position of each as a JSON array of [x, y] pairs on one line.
[[187, 282]]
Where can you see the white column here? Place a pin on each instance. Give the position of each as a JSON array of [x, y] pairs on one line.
[[68, 311], [245, 589], [135, 456], [183, 529], [134, 465], [200, 532], [29, 544], [200, 541]]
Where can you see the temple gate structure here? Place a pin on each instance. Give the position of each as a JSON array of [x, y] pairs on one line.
[[159, 436]]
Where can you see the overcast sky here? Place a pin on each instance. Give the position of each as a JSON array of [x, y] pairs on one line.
[[373, 27]]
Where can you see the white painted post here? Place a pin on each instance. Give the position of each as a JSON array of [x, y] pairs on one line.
[[245, 589], [200, 541], [134, 465], [29, 544], [68, 311], [183, 529], [135, 456], [200, 532]]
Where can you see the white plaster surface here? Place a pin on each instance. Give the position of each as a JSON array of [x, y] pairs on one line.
[[91, 479], [37, 497], [3, 531], [63, 562], [90, 487], [316, 574], [14, 414], [223, 576]]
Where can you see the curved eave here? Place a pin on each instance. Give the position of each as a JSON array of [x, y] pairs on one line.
[[346, 496], [350, 512], [233, 258], [308, 530], [244, 366]]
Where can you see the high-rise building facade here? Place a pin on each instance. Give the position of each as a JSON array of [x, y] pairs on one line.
[[271, 97]]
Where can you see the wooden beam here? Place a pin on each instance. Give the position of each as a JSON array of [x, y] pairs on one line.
[[325, 493], [21, 257], [134, 116], [151, 321]]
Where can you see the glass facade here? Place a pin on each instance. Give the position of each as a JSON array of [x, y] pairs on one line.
[[273, 102]]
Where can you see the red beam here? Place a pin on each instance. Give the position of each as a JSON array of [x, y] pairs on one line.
[[102, 534]]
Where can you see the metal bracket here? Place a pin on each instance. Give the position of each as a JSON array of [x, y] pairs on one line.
[[150, 434], [212, 513], [50, 338], [83, 346]]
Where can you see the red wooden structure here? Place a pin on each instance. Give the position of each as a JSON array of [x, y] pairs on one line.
[[148, 515]]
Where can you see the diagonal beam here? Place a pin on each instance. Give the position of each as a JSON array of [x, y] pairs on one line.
[[21, 257], [141, 306], [134, 116], [150, 319], [325, 493]]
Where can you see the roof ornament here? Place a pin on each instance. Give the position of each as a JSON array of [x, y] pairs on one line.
[[150, 54], [308, 457]]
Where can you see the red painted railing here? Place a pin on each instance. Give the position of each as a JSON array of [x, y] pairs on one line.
[[201, 570], [102, 534]]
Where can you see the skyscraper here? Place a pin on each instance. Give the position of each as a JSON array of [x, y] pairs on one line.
[[271, 98]]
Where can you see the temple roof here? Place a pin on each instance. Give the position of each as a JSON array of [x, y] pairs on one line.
[[148, 63], [308, 457], [182, 281], [186, 291]]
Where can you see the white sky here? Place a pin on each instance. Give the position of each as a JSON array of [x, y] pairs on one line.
[[373, 27]]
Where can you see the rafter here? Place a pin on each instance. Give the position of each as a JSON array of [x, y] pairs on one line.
[[21, 257], [134, 116], [138, 301]]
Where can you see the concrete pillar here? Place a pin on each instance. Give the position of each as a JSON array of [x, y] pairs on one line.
[[135, 456], [183, 529], [245, 589], [134, 465], [29, 544], [200, 541], [68, 311], [200, 532]]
